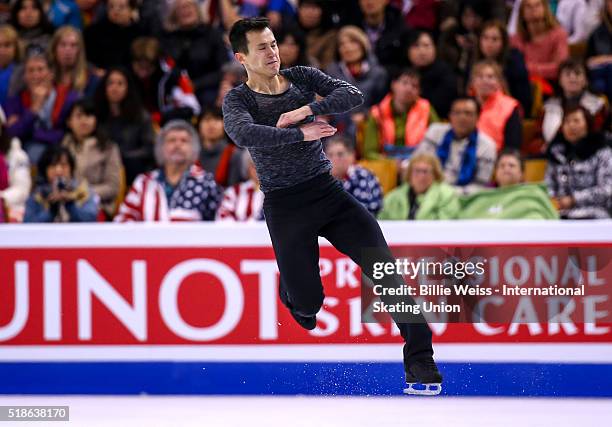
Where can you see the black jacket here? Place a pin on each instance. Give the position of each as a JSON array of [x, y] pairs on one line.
[[108, 45], [201, 51], [600, 42], [439, 86], [388, 47]]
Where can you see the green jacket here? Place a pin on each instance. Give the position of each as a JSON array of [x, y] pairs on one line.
[[521, 201], [439, 202]]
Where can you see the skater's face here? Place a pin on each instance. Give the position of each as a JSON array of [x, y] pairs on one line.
[[421, 177], [463, 117], [508, 171], [178, 148], [341, 159], [263, 57], [406, 89]]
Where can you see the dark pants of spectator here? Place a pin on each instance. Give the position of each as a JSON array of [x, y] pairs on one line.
[[297, 215]]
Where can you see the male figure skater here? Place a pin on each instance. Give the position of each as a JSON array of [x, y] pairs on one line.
[[272, 115]]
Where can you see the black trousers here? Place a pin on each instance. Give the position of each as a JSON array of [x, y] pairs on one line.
[[297, 215]]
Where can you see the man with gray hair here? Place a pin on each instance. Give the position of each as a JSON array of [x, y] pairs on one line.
[[179, 190]]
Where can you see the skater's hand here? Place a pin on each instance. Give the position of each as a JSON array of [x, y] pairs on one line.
[[292, 117], [317, 130]]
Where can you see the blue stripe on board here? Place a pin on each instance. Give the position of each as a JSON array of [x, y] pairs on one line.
[[462, 379]]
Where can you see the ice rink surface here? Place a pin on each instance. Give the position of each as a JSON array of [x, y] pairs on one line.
[[223, 411]]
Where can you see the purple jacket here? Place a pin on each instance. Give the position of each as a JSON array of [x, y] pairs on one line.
[[26, 129]]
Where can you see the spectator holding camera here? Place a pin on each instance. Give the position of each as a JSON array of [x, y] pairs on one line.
[[59, 197]]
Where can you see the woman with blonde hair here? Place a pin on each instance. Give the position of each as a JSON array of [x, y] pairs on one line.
[[10, 54], [70, 69], [541, 39], [424, 195], [500, 114], [356, 63]]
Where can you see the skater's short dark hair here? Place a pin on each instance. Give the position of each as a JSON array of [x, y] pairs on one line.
[[239, 30]]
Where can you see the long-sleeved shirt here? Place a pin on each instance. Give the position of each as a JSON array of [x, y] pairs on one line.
[[282, 157], [544, 55]]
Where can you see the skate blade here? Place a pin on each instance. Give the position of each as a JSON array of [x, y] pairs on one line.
[[431, 389]]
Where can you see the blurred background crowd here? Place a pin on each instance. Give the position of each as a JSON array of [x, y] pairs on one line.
[[111, 110]]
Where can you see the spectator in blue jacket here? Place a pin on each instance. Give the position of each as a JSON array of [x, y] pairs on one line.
[[59, 197]]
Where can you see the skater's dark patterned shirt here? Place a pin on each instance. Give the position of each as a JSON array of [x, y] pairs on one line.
[[282, 157]]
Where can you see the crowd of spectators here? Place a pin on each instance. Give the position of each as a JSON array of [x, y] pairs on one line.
[[110, 110]]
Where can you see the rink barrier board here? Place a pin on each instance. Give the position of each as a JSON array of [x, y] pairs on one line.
[[500, 375], [293, 378]]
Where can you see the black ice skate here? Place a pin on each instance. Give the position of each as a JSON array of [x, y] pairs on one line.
[[423, 374], [306, 322]]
